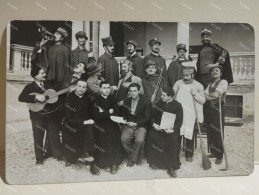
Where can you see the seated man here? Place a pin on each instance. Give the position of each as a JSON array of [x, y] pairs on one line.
[[46, 119], [162, 142], [107, 132], [136, 111], [152, 88], [78, 135], [126, 79]]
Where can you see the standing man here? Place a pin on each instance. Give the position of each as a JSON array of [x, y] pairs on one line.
[[136, 111], [108, 132], [55, 58], [126, 79], [78, 134], [138, 66], [154, 55], [162, 142], [81, 54], [43, 121], [110, 65], [175, 69], [151, 82], [214, 92], [212, 54], [186, 89]]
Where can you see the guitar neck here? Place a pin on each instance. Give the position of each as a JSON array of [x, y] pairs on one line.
[[62, 91]]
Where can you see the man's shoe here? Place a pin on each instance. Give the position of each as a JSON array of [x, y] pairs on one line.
[[211, 155], [114, 169], [171, 173], [39, 162], [94, 170], [130, 163], [218, 161], [189, 159]]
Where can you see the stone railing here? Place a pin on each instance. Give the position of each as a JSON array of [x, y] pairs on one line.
[[20, 58], [242, 63]]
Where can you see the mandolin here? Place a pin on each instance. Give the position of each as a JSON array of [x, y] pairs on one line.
[[51, 97]]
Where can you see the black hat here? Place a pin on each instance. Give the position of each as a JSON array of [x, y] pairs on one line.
[[150, 62], [63, 32], [132, 42], [205, 31], [154, 41], [215, 66], [93, 67], [107, 41], [81, 34], [181, 46]]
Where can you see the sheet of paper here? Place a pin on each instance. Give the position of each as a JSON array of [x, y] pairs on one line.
[[167, 120]]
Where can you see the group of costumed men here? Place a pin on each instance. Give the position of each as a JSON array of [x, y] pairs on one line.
[[153, 106]]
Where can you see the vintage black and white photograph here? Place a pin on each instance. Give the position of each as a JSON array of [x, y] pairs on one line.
[[109, 100]]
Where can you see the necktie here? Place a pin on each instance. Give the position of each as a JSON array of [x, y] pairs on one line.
[[42, 86]]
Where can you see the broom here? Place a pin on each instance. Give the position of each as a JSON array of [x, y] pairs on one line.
[[206, 164], [221, 133]]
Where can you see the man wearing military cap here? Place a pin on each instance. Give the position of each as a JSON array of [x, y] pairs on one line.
[[212, 54], [110, 65], [81, 54], [175, 69], [154, 55], [55, 58], [138, 66], [186, 90]]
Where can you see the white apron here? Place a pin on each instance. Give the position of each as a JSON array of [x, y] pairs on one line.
[[185, 98]]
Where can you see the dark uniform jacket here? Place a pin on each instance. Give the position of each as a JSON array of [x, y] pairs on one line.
[[138, 68]]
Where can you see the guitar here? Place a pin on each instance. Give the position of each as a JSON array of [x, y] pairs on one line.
[[51, 97]]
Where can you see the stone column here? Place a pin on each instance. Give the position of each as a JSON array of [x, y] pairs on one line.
[[183, 34], [76, 26], [104, 29], [86, 28], [95, 39]]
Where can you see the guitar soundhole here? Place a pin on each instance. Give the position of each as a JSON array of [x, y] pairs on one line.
[[47, 97]]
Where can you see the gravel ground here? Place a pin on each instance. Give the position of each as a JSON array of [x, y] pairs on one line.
[[21, 168]]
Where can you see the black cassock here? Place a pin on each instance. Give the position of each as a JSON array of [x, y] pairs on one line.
[[163, 148], [77, 137], [108, 144]]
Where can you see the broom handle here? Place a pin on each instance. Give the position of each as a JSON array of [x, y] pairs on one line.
[[221, 132], [198, 124]]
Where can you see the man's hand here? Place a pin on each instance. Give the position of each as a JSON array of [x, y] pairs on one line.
[[120, 103], [169, 130], [111, 111], [91, 54], [43, 42], [131, 124], [40, 98], [157, 127], [114, 87], [193, 92], [89, 122]]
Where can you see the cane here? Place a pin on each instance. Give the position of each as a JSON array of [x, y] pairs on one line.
[[206, 164], [221, 133]]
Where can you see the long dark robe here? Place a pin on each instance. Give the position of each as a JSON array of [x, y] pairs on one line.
[[81, 55], [222, 56], [163, 149], [138, 68], [59, 57], [160, 61], [108, 134], [77, 137], [175, 71], [110, 69]]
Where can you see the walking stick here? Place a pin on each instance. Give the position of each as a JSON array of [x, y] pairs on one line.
[[206, 164], [153, 97], [221, 133]]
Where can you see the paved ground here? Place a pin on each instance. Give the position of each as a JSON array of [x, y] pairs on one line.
[[20, 160]]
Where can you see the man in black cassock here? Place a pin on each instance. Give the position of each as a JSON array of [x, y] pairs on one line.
[[155, 56], [175, 68], [163, 146], [209, 55], [108, 143], [78, 135]]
